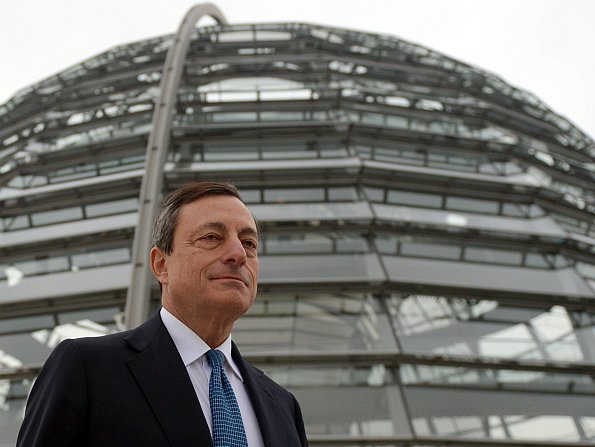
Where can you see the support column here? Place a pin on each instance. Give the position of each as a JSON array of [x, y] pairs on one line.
[[139, 291]]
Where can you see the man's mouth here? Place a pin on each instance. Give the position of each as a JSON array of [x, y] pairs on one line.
[[231, 277]]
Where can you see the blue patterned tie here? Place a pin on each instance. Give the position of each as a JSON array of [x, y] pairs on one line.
[[228, 429]]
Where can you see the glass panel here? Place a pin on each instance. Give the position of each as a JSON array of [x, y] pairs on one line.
[[503, 379], [251, 195], [345, 400], [364, 152], [374, 194], [326, 322], [236, 36], [42, 266], [13, 394], [112, 207], [587, 270], [515, 209], [490, 255], [24, 348], [475, 205], [14, 223], [125, 164], [449, 161], [395, 121], [333, 152], [430, 250], [283, 116], [509, 415], [347, 193], [320, 269], [30, 340], [432, 324], [288, 243], [536, 260], [272, 35], [230, 96], [287, 151], [415, 199], [297, 243], [294, 195], [102, 257], [352, 244], [232, 153], [21, 324], [386, 244], [221, 117], [55, 216], [72, 173], [105, 315], [375, 118]]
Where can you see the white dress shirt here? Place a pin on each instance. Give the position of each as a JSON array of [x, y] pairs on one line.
[[192, 349]]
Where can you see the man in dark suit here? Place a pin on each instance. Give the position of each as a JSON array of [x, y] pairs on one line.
[[150, 386]]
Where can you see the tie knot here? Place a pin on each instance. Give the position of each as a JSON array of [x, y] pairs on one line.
[[215, 358]]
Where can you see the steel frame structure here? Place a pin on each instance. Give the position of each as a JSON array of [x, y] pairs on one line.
[[427, 228]]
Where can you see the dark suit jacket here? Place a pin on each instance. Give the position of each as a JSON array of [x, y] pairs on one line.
[[132, 389]]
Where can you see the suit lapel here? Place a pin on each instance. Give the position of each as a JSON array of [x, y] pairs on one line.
[[267, 410], [160, 372]]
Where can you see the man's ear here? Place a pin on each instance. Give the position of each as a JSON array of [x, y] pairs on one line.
[[158, 265]]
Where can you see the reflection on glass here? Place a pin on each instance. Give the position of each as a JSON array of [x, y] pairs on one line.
[[14, 223], [415, 199], [331, 322], [346, 193], [430, 250], [30, 339], [12, 408], [100, 257], [501, 379], [294, 195], [62, 262], [345, 400], [483, 328], [82, 328], [236, 36], [473, 205], [297, 243], [481, 414], [112, 207], [495, 256], [308, 242], [55, 216]]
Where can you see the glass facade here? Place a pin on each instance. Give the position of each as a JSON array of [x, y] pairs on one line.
[[428, 241]]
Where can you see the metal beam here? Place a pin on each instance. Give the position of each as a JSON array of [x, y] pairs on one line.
[[139, 291]]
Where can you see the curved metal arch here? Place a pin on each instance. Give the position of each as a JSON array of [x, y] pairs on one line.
[[139, 291]]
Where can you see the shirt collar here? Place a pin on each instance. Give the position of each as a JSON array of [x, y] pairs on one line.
[[190, 346]]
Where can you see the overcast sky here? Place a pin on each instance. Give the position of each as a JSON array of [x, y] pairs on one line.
[[544, 46]]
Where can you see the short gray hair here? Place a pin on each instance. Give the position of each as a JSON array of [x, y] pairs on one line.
[[166, 220]]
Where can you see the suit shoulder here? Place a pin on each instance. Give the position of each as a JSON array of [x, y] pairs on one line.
[[133, 337], [85, 343]]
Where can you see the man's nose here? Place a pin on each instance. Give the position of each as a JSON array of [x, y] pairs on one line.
[[235, 251]]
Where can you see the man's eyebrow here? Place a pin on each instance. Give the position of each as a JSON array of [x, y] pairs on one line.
[[220, 226]]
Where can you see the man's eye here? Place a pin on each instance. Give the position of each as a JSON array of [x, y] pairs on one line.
[[250, 244], [210, 237]]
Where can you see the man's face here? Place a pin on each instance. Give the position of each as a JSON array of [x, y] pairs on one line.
[[212, 272]]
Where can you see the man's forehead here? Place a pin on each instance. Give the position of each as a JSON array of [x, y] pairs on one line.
[[219, 211], [217, 204]]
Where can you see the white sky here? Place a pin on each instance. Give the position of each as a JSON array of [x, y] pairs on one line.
[[544, 46]]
